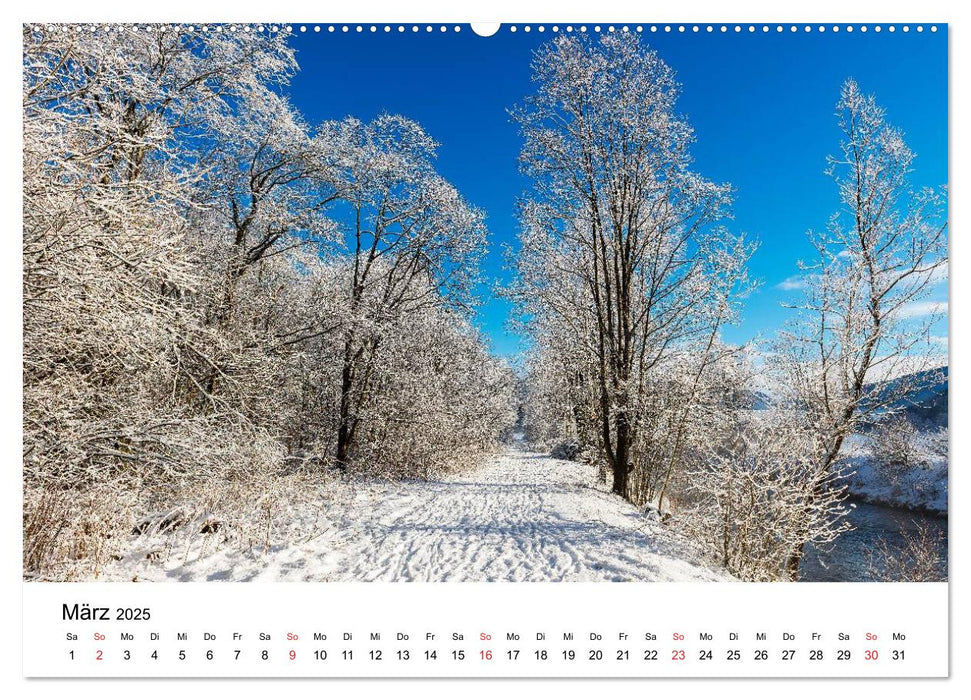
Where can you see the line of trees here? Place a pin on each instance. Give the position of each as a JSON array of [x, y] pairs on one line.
[[626, 278], [214, 289]]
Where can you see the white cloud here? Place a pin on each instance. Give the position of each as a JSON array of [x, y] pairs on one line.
[[792, 283], [919, 309], [884, 369], [939, 275]]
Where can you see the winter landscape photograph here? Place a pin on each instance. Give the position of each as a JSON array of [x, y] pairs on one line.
[[406, 303]]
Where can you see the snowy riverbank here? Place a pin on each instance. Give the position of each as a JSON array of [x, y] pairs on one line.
[[519, 517], [920, 486]]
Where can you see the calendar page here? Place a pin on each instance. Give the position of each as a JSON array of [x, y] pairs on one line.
[[447, 350]]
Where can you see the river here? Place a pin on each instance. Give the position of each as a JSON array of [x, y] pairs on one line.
[[848, 558]]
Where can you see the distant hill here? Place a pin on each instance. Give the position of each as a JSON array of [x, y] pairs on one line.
[[927, 405], [756, 400]]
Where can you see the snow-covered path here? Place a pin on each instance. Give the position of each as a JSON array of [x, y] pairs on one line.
[[520, 517]]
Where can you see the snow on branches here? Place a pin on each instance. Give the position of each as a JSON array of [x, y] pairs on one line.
[[217, 292], [625, 279], [621, 255]]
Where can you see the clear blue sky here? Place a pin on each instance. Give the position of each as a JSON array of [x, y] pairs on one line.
[[762, 106]]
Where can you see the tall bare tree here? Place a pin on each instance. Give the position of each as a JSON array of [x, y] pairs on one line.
[[619, 229], [412, 239], [862, 343]]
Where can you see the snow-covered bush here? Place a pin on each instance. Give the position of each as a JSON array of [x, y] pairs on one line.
[[219, 298], [131, 479], [922, 557], [73, 534], [438, 400], [754, 498], [896, 446], [937, 442]]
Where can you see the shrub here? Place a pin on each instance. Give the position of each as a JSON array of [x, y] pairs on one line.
[[895, 445]]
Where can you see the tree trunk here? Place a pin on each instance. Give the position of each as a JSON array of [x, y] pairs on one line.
[[792, 566], [622, 456], [831, 455], [344, 431]]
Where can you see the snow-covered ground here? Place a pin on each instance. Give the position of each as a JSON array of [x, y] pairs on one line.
[[519, 517], [922, 486]]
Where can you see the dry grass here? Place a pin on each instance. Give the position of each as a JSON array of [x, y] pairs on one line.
[[74, 534]]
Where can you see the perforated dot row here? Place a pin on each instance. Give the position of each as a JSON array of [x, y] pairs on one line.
[[428, 28], [711, 28], [376, 28]]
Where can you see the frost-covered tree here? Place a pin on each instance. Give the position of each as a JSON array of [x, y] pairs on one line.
[[438, 400], [855, 352], [620, 254], [218, 295], [261, 235], [265, 173], [411, 239], [115, 120]]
